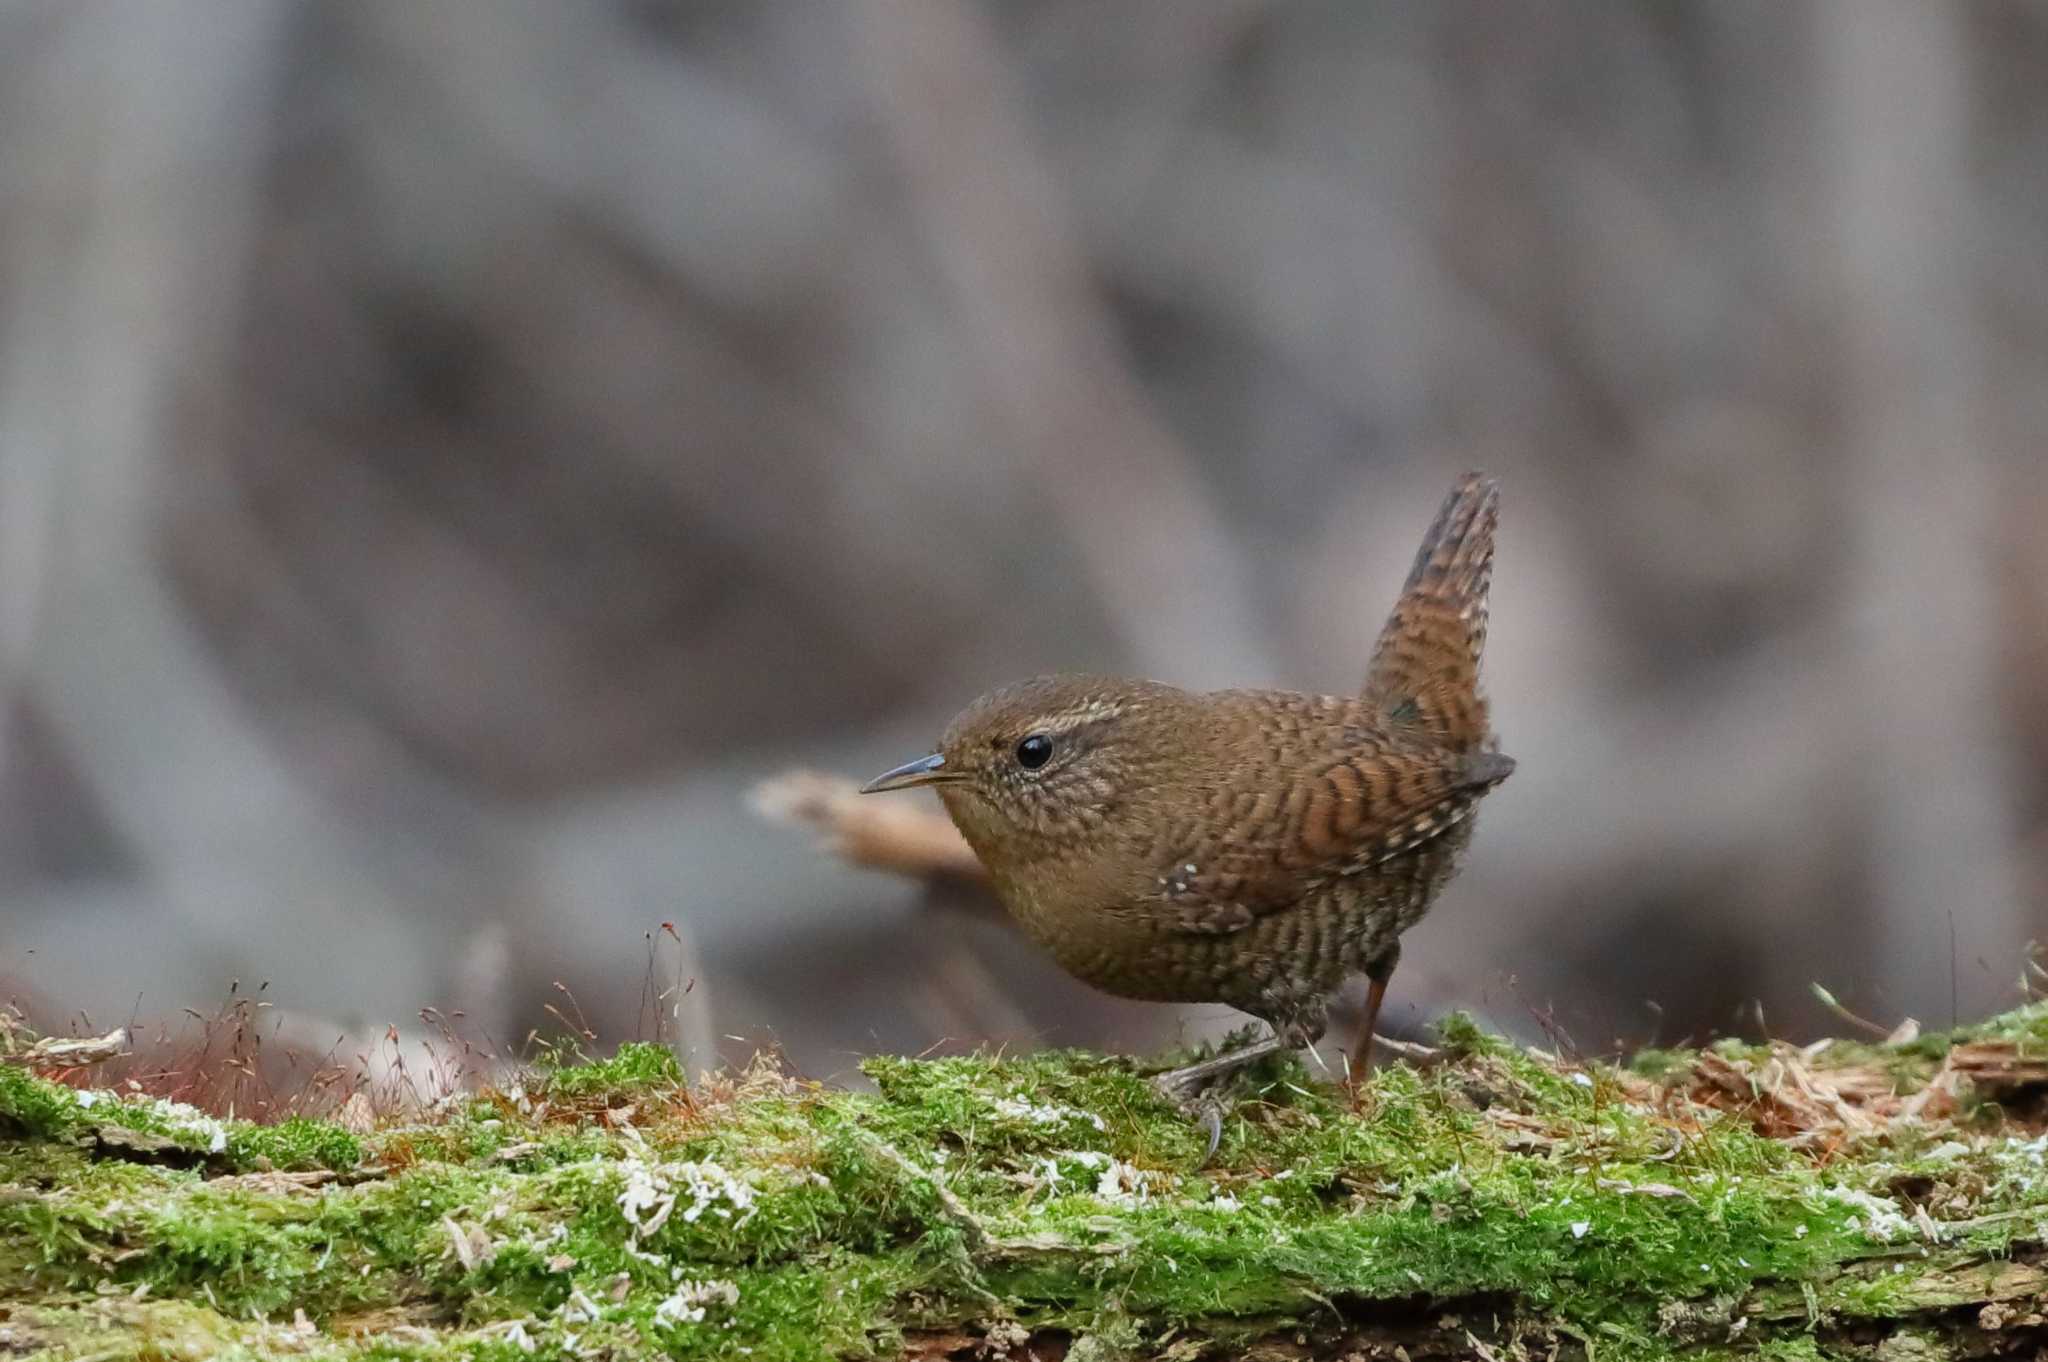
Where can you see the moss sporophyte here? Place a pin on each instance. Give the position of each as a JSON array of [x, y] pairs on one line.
[[1489, 1201]]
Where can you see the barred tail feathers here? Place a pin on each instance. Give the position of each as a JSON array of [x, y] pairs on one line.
[[1425, 669]]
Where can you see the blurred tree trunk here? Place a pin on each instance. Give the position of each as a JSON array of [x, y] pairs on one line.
[[145, 129], [1920, 609]]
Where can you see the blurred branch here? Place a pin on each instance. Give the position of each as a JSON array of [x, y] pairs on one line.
[[58, 1052], [1154, 544], [30, 462], [876, 834]]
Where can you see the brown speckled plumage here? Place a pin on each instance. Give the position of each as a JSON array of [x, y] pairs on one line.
[[1247, 847]]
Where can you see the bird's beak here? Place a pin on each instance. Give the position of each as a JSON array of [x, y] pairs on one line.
[[924, 771]]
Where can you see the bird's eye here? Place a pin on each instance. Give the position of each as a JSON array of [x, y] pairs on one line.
[[1034, 752]]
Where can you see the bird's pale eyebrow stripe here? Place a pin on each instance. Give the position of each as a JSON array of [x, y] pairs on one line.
[[1094, 712]]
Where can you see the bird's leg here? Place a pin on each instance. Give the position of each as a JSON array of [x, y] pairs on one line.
[[1193, 1087], [1191, 1079], [1197, 1088], [1359, 1060]]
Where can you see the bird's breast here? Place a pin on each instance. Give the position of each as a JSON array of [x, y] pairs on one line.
[[1089, 923]]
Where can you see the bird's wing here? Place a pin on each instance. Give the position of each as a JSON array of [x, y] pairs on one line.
[[1258, 853], [1369, 794]]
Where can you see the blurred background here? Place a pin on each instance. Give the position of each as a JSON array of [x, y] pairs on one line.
[[451, 452]]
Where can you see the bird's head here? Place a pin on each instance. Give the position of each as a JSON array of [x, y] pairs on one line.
[[1052, 759]]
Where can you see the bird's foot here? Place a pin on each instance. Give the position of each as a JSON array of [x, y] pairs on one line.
[[1179, 1085], [1199, 1088], [1205, 1109], [1199, 1100]]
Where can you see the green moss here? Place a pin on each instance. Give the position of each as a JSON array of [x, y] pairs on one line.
[[294, 1144], [1655, 1063], [31, 1108], [2026, 1027], [607, 1204], [1460, 1034], [636, 1068]]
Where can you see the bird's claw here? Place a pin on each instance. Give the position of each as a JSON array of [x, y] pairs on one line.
[[1179, 1088], [1198, 1089], [1212, 1122], [1197, 1097]]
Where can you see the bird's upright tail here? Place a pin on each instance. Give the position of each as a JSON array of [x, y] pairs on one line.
[[1425, 669]]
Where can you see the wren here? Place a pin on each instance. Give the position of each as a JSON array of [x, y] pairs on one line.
[[1249, 847]]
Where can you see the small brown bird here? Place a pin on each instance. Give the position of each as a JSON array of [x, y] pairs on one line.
[[1249, 847]]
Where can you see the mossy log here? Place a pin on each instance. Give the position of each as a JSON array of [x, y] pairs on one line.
[[1488, 1202]]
